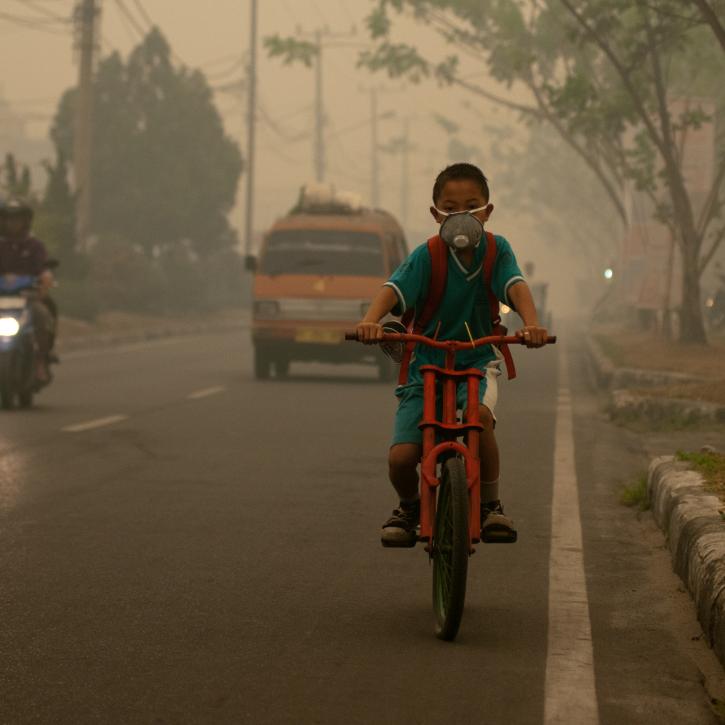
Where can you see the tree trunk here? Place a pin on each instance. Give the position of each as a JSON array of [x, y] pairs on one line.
[[692, 324]]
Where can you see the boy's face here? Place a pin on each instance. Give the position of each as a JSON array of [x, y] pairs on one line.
[[461, 195]]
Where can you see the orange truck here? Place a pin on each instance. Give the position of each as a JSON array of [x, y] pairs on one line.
[[318, 269]]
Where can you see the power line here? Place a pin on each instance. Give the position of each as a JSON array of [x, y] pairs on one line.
[[150, 24], [44, 11], [143, 13], [46, 26], [121, 5], [128, 27]]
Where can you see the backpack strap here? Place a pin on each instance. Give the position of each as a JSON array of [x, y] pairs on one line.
[[416, 323], [438, 251], [493, 303]]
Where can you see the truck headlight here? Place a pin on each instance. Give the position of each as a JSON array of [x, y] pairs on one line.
[[9, 327]]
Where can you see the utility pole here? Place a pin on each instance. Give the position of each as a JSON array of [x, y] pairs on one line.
[[374, 151], [320, 39], [402, 145], [86, 14], [405, 172], [251, 122], [319, 150]]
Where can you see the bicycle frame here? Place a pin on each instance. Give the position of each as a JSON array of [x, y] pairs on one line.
[[448, 427]]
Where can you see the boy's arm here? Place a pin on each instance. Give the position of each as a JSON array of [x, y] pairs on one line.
[[522, 301], [369, 329]]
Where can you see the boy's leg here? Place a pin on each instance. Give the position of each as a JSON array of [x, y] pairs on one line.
[[401, 528], [403, 469], [488, 452], [495, 525]]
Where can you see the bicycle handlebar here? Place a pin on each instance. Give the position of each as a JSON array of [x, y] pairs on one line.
[[450, 344]]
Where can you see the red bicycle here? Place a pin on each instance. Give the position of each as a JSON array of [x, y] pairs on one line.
[[450, 485]]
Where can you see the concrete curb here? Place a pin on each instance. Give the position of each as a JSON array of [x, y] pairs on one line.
[[85, 342], [624, 377], [626, 404], [692, 521]]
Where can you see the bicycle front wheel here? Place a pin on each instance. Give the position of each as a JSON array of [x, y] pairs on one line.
[[451, 549]]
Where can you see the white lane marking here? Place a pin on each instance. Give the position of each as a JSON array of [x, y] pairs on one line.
[[93, 424], [206, 392], [570, 692]]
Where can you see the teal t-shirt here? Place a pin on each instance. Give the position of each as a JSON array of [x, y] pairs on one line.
[[465, 300]]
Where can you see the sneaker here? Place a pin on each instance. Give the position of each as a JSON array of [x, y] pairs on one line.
[[496, 527], [401, 529], [394, 350]]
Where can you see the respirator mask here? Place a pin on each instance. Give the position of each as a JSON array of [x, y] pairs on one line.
[[460, 229]]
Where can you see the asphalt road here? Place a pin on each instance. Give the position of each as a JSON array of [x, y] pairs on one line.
[[182, 544]]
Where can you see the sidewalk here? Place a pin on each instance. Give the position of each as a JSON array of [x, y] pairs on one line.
[[659, 383], [119, 328]]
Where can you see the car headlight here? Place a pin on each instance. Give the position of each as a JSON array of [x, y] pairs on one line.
[[9, 327], [266, 308]]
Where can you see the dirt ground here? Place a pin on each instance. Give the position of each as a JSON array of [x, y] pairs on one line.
[[637, 350]]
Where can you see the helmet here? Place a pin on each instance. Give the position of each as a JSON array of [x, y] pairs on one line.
[[16, 207]]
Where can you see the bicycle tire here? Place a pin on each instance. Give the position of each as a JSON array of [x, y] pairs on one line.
[[451, 549]]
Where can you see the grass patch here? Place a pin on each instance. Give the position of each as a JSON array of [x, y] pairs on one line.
[[711, 466], [635, 493]]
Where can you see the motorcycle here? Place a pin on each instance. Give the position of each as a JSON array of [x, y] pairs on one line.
[[18, 348], [715, 310]]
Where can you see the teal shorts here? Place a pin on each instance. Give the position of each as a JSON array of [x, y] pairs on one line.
[[410, 405]]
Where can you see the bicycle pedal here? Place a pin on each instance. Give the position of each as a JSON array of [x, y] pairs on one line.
[[402, 544], [499, 537]]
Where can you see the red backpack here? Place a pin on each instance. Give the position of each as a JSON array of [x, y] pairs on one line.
[[438, 251]]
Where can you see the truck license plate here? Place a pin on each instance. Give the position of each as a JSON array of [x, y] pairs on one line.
[[324, 337]]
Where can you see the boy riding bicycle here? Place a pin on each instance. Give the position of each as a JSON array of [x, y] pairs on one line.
[[482, 272]]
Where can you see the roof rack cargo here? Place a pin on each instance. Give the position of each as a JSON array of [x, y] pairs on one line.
[[321, 198]]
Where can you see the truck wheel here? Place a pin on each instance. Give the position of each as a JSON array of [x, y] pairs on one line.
[[262, 364], [25, 399], [7, 378], [281, 367]]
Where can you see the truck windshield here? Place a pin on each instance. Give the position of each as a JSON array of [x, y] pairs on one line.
[[325, 252]]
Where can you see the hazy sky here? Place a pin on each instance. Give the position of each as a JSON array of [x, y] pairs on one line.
[[37, 66]]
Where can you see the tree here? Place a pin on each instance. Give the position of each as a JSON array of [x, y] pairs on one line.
[[55, 217], [163, 170], [709, 13], [596, 72], [15, 179]]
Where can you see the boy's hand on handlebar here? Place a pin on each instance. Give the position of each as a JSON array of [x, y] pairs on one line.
[[533, 335], [369, 332]]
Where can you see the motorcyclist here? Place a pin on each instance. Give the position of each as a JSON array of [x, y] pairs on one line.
[[23, 254]]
